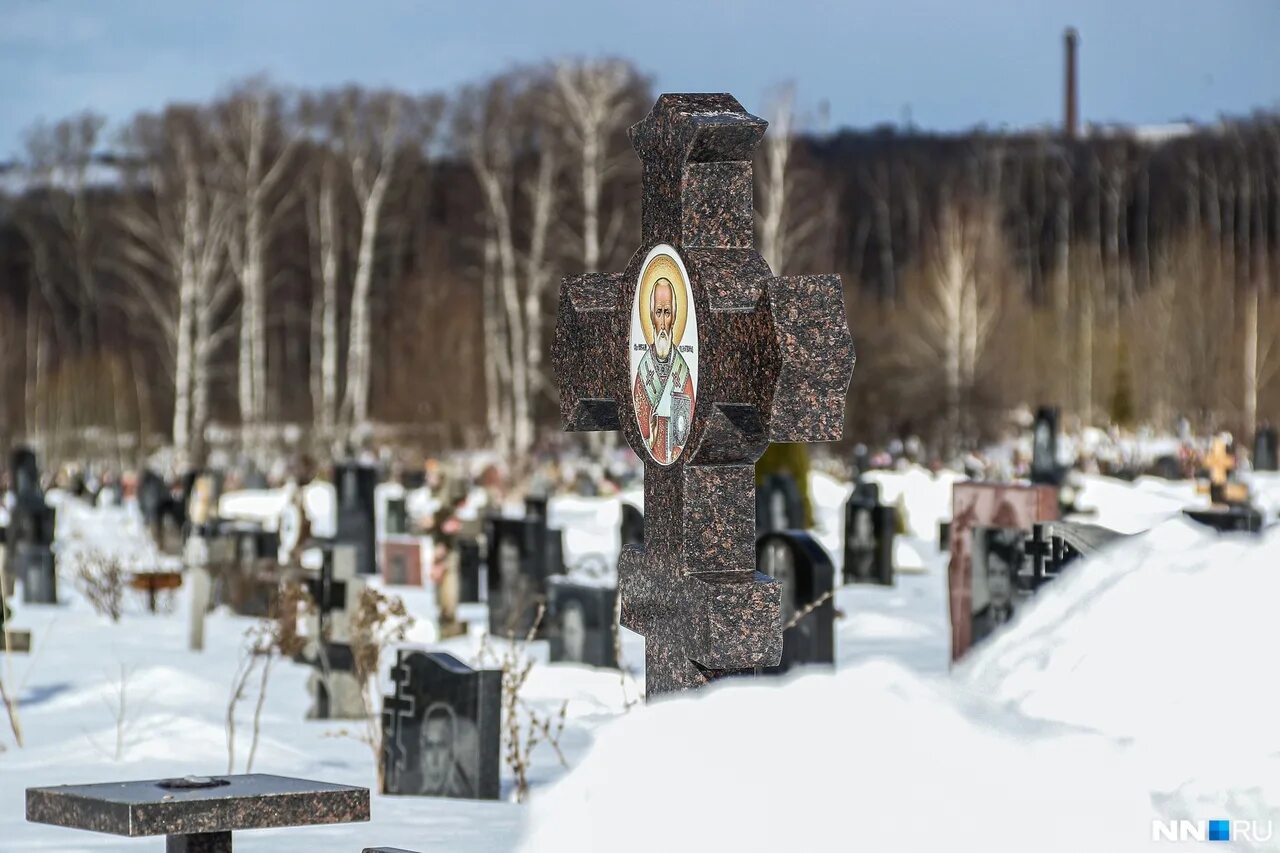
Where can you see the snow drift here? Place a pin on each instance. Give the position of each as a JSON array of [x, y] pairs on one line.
[[1139, 686]]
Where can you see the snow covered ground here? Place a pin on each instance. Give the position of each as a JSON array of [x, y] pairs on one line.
[[1140, 685]]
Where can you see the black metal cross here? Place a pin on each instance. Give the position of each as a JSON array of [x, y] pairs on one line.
[[762, 359]]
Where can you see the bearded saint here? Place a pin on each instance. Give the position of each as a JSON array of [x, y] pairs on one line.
[[663, 390]]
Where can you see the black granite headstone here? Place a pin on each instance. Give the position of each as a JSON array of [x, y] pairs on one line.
[[632, 527], [1044, 447], [583, 623], [1230, 519], [998, 558], [1265, 455], [522, 554], [796, 560], [355, 485], [470, 570], [34, 564], [441, 728], [869, 531], [778, 504]]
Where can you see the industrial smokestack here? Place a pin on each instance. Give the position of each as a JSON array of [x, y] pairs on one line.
[[1071, 115]]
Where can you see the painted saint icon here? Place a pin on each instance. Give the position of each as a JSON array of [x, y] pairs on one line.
[[664, 355]]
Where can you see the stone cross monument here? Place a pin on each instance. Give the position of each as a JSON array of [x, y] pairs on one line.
[[701, 357]]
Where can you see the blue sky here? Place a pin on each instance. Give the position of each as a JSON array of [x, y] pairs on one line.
[[951, 64]]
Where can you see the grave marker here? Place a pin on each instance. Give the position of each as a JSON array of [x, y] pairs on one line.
[[582, 621], [975, 504], [335, 591], [440, 729], [522, 554], [701, 357], [355, 487], [1044, 448], [807, 576], [29, 536], [1265, 449], [869, 531]]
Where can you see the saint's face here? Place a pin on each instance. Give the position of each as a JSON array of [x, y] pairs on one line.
[[663, 316]]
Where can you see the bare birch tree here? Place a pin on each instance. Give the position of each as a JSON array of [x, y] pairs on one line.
[[256, 146]]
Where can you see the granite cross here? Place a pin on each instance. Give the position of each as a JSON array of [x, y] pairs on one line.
[[701, 357]]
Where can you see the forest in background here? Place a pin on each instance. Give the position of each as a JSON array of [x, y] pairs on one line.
[[343, 266]]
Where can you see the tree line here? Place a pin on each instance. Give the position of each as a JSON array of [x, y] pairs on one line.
[[355, 265]]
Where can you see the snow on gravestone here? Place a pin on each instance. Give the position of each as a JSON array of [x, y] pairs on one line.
[[440, 730], [701, 357]]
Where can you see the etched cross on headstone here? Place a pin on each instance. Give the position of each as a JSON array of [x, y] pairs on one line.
[[701, 356]]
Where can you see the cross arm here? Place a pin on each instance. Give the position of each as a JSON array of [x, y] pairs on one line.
[[586, 355], [812, 336]]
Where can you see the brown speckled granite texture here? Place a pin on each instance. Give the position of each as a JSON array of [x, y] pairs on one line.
[[775, 359], [251, 801]]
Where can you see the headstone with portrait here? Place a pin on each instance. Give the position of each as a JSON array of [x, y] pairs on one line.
[[807, 576], [869, 531], [441, 728], [522, 554], [583, 621], [998, 559], [975, 504], [355, 486], [701, 357]]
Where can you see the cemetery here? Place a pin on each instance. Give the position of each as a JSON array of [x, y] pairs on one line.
[[689, 587]]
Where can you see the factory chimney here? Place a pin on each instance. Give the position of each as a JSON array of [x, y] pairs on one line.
[[1071, 115]]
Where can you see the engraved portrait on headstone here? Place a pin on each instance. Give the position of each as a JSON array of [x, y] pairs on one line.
[[664, 354], [441, 728], [448, 762], [573, 630]]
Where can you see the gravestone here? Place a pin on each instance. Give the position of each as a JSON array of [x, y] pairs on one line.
[[397, 518], [976, 504], [997, 559], [1265, 454], [701, 357], [778, 504], [335, 592], [523, 553], [631, 531], [582, 621], [441, 728], [1044, 448], [470, 571], [402, 560], [1053, 545], [869, 531], [29, 536], [801, 566], [197, 813], [355, 485]]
